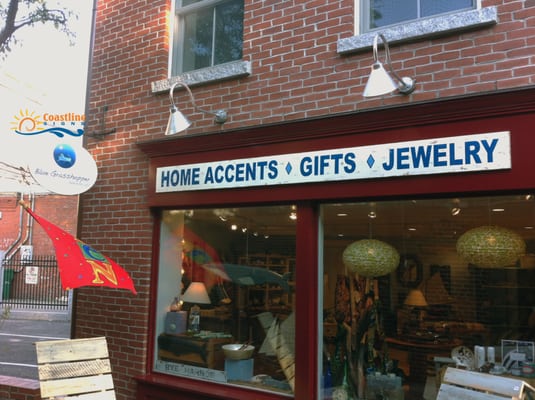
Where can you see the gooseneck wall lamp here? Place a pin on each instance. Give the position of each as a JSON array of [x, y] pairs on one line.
[[381, 81], [178, 121]]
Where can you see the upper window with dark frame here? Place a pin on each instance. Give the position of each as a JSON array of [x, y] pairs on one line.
[[381, 13], [206, 33]]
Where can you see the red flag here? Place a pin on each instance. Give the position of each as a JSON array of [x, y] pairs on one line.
[[81, 265]]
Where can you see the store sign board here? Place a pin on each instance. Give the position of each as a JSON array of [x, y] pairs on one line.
[[468, 153], [191, 371], [64, 169]]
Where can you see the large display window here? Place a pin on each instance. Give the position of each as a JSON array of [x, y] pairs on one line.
[[226, 298], [407, 281], [404, 282]]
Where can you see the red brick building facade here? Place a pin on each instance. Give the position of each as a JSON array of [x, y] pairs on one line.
[[15, 223], [296, 87]]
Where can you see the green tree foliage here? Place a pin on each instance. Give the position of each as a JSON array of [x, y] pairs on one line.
[[19, 14]]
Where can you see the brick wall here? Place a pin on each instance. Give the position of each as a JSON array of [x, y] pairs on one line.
[[10, 221], [19, 388], [296, 74], [61, 210]]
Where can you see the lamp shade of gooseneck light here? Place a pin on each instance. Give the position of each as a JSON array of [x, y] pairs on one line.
[[381, 81], [370, 258], [491, 246], [178, 122]]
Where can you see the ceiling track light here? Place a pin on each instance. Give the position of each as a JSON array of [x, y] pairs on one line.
[[380, 81], [456, 207], [455, 211], [178, 122]]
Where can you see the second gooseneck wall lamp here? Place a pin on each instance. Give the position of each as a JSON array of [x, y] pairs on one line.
[[178, 122], [380, 81]]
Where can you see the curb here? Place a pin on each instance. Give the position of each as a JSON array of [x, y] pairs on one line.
[[45, 315]]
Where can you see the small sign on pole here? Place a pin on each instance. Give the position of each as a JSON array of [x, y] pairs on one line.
[[31, 275]]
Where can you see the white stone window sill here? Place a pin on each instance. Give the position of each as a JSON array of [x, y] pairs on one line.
[[231, 70], [428, 27]]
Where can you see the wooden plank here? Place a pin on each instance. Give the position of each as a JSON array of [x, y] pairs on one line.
[[73, 369], [108, 395], [528, 386], [286, 361], [451, 392], [71, 350], [485, 382], [62, 387]]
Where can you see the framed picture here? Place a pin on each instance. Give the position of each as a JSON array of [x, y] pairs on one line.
[[410, 270]]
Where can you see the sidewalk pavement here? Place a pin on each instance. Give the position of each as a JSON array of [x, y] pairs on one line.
[[20, 331]]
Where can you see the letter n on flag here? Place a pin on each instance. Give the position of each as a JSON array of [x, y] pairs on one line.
[[81, 265]]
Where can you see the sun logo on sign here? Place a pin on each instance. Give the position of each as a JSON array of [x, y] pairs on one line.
[[26, 121]]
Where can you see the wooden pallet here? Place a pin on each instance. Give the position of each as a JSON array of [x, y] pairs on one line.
[[75, 368]]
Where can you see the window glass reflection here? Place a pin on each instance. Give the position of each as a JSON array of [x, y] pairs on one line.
[[225, 306], [461, 277], [383, 13], [211, 34]]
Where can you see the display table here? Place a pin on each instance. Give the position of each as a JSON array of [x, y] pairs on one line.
[[416, 357], [193, 350], [416, 360]]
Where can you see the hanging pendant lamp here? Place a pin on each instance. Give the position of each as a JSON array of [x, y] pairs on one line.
[[370, 258], [491, 246]]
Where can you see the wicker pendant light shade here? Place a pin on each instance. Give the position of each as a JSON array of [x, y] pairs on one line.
[[491, 246], [370, 258]]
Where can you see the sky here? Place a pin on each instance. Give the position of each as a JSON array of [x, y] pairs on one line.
[[44, 75]]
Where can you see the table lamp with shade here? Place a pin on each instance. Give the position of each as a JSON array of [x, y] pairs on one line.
[[416, 301], [195, 294]]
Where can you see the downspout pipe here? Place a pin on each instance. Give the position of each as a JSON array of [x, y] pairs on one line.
[[29, 225], [8, 254]]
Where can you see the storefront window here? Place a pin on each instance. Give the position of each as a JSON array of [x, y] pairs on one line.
[[225, 303], [408, 281]]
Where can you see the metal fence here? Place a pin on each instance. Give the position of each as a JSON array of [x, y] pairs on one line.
[[32, 284]]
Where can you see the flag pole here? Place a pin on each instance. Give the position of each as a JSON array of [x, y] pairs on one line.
[[23, 204]]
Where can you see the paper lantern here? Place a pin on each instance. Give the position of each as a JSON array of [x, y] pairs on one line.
[[491, 246], [370, 258]]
